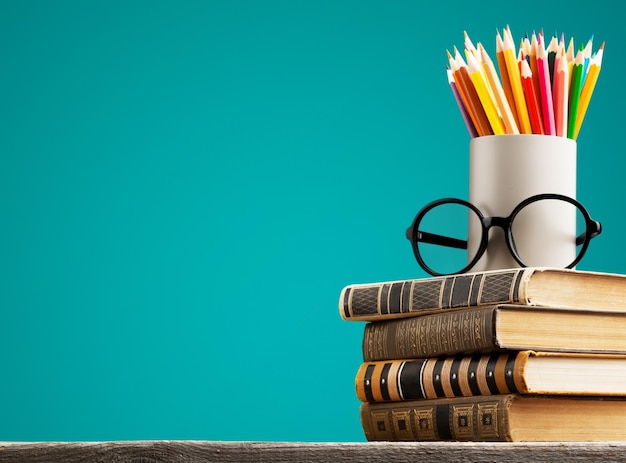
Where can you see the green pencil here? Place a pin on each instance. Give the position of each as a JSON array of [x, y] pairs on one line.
[[574, 97]]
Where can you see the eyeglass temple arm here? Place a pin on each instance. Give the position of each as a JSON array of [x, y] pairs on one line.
[[597, 229], [432, 238]]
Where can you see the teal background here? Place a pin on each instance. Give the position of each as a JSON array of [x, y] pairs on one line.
[[185, 187]]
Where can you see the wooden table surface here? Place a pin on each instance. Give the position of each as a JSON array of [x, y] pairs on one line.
[[278, 452]]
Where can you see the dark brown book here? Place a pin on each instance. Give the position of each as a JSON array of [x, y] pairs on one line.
[[524, 372], [553, 287], [507, 418], [495, 328]]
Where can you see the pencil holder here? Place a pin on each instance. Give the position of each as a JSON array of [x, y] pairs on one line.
[[505, 170]]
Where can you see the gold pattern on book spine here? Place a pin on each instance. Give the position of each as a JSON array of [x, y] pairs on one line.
[[428, 336], [483, 419]]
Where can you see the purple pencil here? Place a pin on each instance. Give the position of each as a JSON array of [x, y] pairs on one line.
[[466, 117]]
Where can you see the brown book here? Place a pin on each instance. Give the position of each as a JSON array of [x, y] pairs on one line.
[[507, 418], [564, 288], [524, 372], [495, 328]]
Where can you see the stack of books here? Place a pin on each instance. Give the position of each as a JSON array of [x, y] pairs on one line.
[[526, 354]]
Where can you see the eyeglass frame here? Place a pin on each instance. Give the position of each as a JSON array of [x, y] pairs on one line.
[[592, 229]]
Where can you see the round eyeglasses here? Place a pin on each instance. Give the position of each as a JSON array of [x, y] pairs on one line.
[[439, 232]]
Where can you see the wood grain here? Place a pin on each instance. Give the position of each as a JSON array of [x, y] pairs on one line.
[[279, 452]]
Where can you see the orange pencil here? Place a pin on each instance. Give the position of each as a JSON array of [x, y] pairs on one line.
[[461, 90], [468, 96], [532, 104], [482, 122], [516, 85]]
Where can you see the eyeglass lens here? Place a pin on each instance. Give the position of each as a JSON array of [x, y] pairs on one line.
[[448, 220], [537, 223]]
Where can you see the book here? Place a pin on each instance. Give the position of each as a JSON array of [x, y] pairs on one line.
[[532, 286], [495, 328], [524, 372], [507, 418]]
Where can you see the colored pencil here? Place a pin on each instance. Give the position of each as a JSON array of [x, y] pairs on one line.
[[469, 45], [560, 93], [475, 51], [560, 51], [504, 74], [545, 88], [461, 90], [586, 58], [552, 51], [470, 97], [478, 79], [574, 94], [532, 104], [508, 120], [457, 96], [587, 89], [482, 122], [570, 53], [515, 78], [533, 62]]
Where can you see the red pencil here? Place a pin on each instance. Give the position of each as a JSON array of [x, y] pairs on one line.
[[531, 98], [561, 94], [533, 62]]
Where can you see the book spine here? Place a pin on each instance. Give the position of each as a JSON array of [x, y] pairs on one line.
[[467, 419], [432, 378], [445, 333], [399, 299]]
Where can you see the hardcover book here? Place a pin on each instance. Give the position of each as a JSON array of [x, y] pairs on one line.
[[524, 372], [534, 286], [495, 328], [507, 418]]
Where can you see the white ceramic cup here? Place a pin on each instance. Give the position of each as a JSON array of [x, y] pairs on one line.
[[505, 170]]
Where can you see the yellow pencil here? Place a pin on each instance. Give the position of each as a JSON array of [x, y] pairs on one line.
[[508, 119], [473, 67], [516, 82], [590, 82]]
